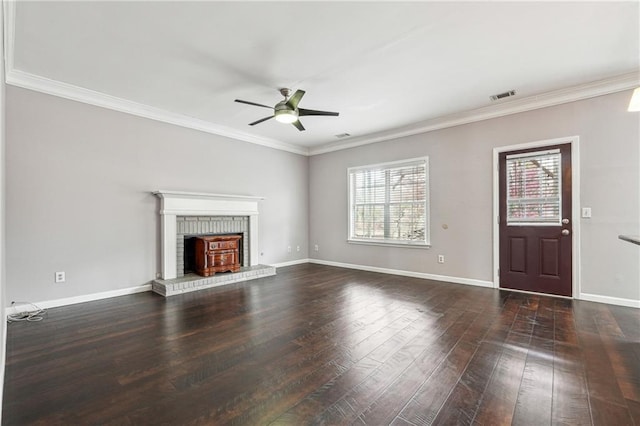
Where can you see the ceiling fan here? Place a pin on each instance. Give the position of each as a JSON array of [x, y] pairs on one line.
[[287, 111]]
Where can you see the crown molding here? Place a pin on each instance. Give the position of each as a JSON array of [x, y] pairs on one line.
[[80, 94], [26, 80], [592, 89]]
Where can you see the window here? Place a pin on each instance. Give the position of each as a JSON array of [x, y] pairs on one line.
[[533, 188], [388, 203]]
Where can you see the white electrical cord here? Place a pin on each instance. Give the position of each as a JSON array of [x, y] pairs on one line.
[[34, 315]]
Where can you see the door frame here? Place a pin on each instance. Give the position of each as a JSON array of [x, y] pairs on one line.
[[575, 206]]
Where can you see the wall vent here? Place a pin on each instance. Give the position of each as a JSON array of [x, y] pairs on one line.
[[502, 95]]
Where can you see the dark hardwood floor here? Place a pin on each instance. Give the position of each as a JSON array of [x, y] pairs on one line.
[[327, 346]]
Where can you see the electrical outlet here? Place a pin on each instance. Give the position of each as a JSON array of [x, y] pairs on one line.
[[60, 277], [288, 249], [297, 248], [441, 258], [316, 248]]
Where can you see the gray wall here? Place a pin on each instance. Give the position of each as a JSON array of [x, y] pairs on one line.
[[78, 193], [461, 193], [79, 179]]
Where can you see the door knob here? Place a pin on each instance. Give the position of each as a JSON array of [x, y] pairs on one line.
[[565, 232]]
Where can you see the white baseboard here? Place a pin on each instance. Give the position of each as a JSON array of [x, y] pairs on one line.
[[423, 275], [290, 263], [21, 306], [631, 303]]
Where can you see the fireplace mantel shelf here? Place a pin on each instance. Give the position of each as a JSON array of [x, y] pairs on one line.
[[203, 195]]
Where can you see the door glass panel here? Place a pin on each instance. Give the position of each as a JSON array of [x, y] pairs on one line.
[[533, 188]]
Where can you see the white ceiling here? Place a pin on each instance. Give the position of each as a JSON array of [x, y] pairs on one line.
[[385, 66]]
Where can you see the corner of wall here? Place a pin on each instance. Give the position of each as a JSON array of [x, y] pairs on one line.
[[3, 330]]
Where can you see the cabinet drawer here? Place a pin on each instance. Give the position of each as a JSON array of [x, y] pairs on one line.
[[222, 258], [217, 245]]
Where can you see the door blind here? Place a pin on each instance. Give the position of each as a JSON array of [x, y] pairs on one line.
[[533, 188]]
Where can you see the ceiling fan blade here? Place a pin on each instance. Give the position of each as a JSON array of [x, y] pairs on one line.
[[303, 112], [261, 120], [252, 103], [298, 125], [295, 99]]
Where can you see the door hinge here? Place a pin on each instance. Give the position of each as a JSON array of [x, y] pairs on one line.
[[498, 271], [498, 220]]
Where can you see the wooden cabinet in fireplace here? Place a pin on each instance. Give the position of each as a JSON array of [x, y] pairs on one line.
[[218, 253]]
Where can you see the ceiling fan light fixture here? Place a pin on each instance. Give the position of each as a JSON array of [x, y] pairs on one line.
[[286, 116]]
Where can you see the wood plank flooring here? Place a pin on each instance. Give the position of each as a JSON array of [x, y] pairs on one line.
[[318, 345]]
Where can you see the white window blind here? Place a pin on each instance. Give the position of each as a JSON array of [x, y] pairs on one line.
[[533, 188], [389, 203]]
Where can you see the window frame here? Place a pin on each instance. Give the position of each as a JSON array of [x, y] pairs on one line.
[[426, 243]]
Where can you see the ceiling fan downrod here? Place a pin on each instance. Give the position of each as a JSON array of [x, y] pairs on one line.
[[285, 92]]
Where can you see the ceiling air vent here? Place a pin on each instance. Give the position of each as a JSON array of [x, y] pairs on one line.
[[502, 95], [343, 135]]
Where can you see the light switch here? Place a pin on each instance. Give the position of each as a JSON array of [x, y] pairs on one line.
[[586, 212]]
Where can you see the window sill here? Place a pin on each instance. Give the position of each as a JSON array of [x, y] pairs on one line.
[[390, 244]]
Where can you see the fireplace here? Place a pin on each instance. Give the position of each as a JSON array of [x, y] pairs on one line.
[[184, 214]]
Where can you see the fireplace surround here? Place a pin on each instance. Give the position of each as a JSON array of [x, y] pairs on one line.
[[203, 208]]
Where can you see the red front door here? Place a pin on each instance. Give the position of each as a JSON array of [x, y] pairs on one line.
[[535, 220]]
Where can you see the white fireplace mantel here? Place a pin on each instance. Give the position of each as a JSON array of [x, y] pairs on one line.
[[175, 203]]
